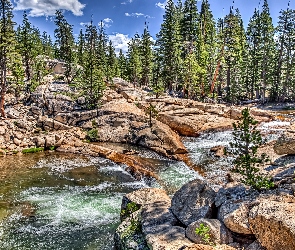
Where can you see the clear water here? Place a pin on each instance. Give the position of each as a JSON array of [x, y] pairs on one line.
[[59, 201]]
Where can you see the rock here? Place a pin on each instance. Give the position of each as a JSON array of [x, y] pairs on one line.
[[49, 141], [172, 238], [132, 126], [144, 196], [207, 247], [2, 153], [218, 151], [219, 234], [193, 201], [234, 214], [255, 246], [285, 144], [12, 113], [18, 135], [2, 130], [273, 224], [156, 217], [17, 142], [128, 234], [39, 141], [193, 125], [49, 124]]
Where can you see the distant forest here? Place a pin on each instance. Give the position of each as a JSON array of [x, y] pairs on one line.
[[194, 56]]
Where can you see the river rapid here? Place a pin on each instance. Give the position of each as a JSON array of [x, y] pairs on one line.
[[62, 201]]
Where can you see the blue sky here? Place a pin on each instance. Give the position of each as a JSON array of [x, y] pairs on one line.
[[123, 18]]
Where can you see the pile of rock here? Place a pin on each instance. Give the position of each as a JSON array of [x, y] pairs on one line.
[[237, 218]]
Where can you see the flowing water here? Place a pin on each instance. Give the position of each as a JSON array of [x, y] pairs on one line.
[[62, 201], [57, 201]]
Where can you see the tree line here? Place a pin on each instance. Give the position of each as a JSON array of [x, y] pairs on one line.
[[194, 55]]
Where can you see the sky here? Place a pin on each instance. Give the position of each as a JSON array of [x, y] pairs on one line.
[[123, 18]]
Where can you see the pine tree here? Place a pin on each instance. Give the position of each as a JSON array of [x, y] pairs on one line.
[[169, 47], [285, 84], [206, 46], [122, 65], [134, 60], [7, 47], [189, 22], [111, 63], [146, 57], [80, 48], [91, 80], [64, 44], [30, 47], [247, 140]]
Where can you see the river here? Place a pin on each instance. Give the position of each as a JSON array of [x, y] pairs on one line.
[[62, 201]]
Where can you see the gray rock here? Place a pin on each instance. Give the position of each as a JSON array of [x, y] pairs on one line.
[[285, 144], [193, 201], [12, 113], [234, 214], [219, 234], [255, 246], [157, 217], [128, 235]]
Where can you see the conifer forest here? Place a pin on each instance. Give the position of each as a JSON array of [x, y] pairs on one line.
[[193, 56]]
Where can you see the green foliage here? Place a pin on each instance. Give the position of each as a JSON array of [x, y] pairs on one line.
[[247, 140], [92, 135], [130, 209], [151, 112], [52, 148], [204, 232], [32, 150]]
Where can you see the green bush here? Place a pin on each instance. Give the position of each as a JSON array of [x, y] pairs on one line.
[[92, 135], [130, 209], [203, 232], [32, 150]]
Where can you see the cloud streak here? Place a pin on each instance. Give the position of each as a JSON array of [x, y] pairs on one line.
[[48, 7], [137, 15]]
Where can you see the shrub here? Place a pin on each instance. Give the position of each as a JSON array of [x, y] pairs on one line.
[[32, 150], [203, 232], [130, 209], [92, 135]]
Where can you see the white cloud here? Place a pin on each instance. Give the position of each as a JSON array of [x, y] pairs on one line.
[[137, 15], [108, 20], [48, 7], [126, 2], [84, 24], [161, 5], [120, 41]]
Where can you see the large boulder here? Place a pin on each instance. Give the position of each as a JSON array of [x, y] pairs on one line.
[[285, 144], [208, 247], [273, 223], [144, 196], [128, 235], [219, 234], [234, 214], [120, 121], [193, 201]]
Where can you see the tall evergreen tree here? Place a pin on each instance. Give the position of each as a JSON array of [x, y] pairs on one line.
[[169, 47], [134, 60], [7, 47], [64, 44], [30, 47], [146, 57], [91, 81]]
